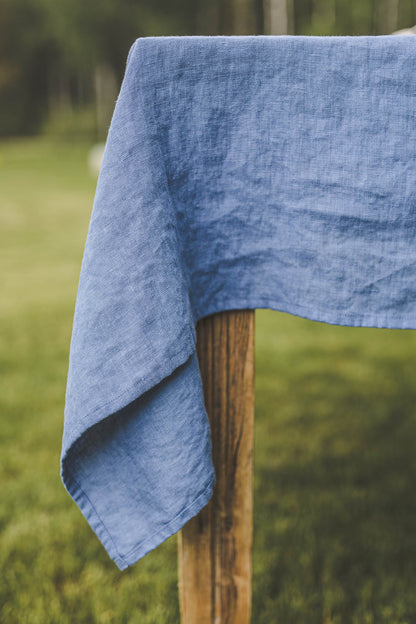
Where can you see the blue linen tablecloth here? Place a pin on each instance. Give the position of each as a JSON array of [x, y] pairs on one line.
[[239, 172]]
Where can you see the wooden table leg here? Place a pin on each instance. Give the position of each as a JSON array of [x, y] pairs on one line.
[[215, 547]]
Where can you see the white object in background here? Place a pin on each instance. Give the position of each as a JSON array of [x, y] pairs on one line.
[[95, 157], [405, 31]]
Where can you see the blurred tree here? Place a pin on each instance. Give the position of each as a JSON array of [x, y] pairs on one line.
[[227, 17], [56, 54], [392, 14], [27, 48], [278, 17]]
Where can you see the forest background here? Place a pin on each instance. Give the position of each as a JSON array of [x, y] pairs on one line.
[[62, 61]]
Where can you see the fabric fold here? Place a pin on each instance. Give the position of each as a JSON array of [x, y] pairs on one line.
[[239, 172], [134, 394]]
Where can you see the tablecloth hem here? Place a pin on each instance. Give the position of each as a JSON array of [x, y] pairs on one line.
[[381, 321], [169, 529], [114, 409], [96, 523], [90, 513]]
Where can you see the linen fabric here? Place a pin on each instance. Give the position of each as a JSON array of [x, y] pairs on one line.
[[239, 172]]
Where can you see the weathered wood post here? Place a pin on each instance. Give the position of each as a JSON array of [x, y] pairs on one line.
[[215, 547]]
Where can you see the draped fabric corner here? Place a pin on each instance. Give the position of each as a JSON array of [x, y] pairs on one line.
[[239, 172]]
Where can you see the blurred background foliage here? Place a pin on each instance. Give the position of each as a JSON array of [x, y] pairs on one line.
[[62, 61]]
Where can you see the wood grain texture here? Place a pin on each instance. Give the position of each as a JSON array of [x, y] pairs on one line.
[[215, 547]]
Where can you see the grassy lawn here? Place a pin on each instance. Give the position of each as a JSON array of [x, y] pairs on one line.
[[335, 438]]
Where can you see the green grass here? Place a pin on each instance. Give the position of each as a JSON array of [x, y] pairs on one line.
[[335, 437]]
